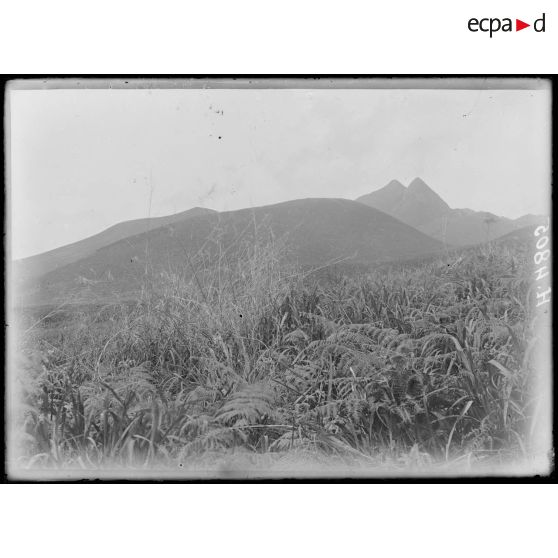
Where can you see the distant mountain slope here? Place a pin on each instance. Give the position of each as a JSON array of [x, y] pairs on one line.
[[35, 266], [521, 238], [530, 220], [420, 207], [315, 232]]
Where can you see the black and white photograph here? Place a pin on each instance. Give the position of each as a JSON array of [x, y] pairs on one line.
[[278, 278]]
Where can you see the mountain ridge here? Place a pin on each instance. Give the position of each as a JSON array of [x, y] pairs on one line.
[[39, 264], [313, 231], [419, 206]]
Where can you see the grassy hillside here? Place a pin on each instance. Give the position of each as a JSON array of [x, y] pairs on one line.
[[420, 367], [313, 232], [35, 266]]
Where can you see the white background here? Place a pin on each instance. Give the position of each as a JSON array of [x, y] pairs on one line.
[[249, 36], [255, 36], [283, 521]]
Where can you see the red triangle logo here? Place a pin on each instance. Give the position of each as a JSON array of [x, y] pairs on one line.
[[519, 25]]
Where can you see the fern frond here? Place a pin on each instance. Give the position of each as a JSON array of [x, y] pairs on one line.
[[251, 403]]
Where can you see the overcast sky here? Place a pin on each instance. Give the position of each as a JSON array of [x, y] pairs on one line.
[[83, 160]]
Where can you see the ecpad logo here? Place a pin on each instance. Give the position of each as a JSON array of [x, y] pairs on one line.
[[494, 24]]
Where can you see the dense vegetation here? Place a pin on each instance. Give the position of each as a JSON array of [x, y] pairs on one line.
[[416, 364]]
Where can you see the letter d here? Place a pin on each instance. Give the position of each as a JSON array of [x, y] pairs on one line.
[[536, 24]]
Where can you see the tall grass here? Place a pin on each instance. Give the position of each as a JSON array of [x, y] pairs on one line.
[[423, 363]]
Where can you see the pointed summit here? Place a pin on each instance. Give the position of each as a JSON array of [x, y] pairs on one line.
[[419, 185], [415, 205], [386, 198], [427, 197]]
